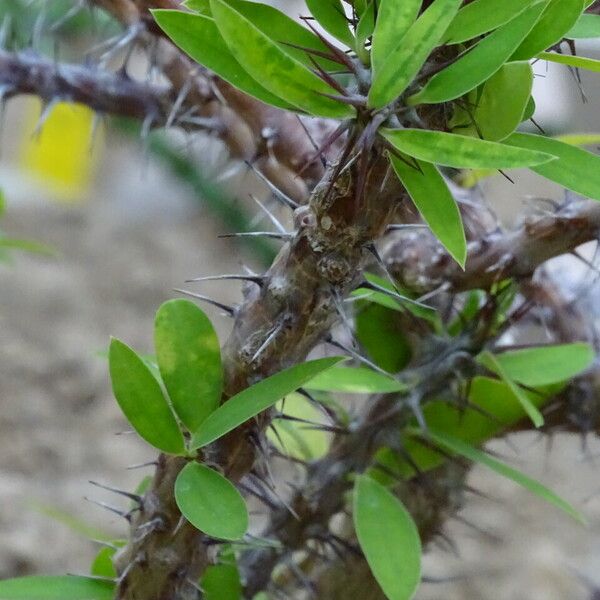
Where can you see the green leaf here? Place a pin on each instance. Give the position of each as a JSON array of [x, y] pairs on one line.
[[546, 365], [331, 16], [189, 359], [221, 582], [294, 438], [102, 565], [65, 587], [490, 361], [435, 203], [210, 502], [380, 331], [253, 400], [481, 16], [460, 151], [535, 487], [388, 538], [354, 380], [139, 395], [481, 62], [284, 31], [558, 18], [200, 6], [410, 54], [575, 169], [501, 105], [394, 18], [587, 26], [198, 36], [577, 62], [492, 407], [281, 74], [366, 26], [27, 246], [2, 203]]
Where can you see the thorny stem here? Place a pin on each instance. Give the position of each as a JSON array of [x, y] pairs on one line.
[[300, 294]]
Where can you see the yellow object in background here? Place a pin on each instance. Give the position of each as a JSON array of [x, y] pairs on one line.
[[62, 155]]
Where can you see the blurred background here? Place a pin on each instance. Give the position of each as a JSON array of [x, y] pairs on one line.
[[118, 223]]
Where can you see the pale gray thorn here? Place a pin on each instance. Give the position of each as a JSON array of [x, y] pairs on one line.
[[227, 309], [97, 119], [271, 216], [94, 577], [445, 287], [266, 343], [283, 198], [268, 234], [72, 12], [46, 110], [38, 28], [406, 226], [181, 96], [123, 42], [358, 356], [395, 295], [258, 279]]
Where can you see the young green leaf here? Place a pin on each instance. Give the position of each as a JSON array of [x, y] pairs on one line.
[[198, 36], [435, 203], [460, 151], [253, 400], [587, 26], [139, 395], [473, 454], [210, 502], [189, 359], [388, 538], [575, 169], [411, 52], [281, 74], [354, 380], [489, 360], [557, 19], [545, 365], [481, 16], [331, 16], [221, 582], [501, 105], [50, 587], [577, 62], [285, 31], [481, 62], [394, 18]]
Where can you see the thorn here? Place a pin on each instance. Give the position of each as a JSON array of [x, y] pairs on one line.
[[5, 31], [356, 100], [72, 12], [269, 214], [266, 343], [311, 140], [46, 111], [357, 356], [227, 309], [327, 78], [134, 497], [258, 279], [268, 234], [320, 153], [342, 58], [181, 96], [152, 463], [283, 198], [104, 505], [401, 298], [94, 577], [406, 226]]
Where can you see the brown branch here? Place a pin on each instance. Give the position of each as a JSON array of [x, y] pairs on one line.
[[419, 262]]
